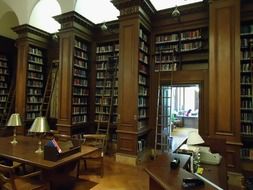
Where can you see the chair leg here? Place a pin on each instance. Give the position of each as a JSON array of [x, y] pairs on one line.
[[102, 167], [77, 169], [85, 164]]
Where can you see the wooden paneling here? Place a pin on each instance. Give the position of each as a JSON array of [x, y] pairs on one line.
[[127, 143], [224, 69], [21, 78], [224, 77], [65, 79], [128, 74]]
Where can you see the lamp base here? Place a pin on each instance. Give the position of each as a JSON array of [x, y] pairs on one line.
[[14, 141], [39, 151]]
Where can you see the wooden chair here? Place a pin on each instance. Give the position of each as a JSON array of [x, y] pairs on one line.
[[10, 181], [98, 141]]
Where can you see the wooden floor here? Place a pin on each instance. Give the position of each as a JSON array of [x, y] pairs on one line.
[[120, 176], [116, 177]]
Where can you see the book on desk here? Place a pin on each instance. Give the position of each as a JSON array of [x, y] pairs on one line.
[[54, 150]]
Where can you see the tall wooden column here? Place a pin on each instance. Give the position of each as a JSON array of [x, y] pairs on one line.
[[224, 77], [27, 35], [73, 26], [133, 16]]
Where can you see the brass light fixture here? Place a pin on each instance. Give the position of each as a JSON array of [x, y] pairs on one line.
[[39, 126], [14, 121], [175, 12]]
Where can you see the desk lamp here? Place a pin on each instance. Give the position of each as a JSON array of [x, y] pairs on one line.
[[194, 139], [40, 126], [14, 121]]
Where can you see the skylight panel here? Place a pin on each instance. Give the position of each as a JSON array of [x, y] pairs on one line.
[[165, 4], [97, 11]]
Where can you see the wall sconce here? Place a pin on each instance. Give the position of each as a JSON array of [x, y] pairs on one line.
[[39, 126], [175, 12], [14, 121]]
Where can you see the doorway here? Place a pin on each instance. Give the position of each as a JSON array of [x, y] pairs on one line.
[[181, 104]]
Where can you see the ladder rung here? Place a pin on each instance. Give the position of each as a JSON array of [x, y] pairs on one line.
[[102, 130], [162, 144], [101, 121]]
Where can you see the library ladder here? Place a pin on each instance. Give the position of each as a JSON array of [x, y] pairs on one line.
[[49, 88], [164, 106], [9, 103], [107, 100]]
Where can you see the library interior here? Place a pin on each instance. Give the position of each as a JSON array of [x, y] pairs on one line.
[[126, 94]]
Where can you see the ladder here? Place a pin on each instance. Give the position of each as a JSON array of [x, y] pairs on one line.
[[164, 108], [107, 101], [9, 103], [49, 88]]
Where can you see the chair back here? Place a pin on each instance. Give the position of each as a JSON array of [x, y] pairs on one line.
[[95, 140], [7, 176]]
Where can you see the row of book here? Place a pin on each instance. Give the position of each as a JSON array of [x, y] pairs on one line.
[[35, 51], [80, 100], [143, 46], [3, 85], [81, 45], [34, 67], [80, 63], [37, 76], [247, 129], [79, 119], [246, 79], [79, 110], [143, 80], [247, 117], [34, 84], [107, 84], [3, 63], [3, 58], [245, 42], [106, 92], [80, 91], [3, 71], [31, 116], [247, 153], [106, 101], [107, 48], [246, 67], [143, 35], [246, 104], [36, 60], [34, 99], [246, 91], [188, 35], [81, 54], [143, 57]]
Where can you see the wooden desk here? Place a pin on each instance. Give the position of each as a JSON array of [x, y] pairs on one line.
[[24, 152], [162, 177]]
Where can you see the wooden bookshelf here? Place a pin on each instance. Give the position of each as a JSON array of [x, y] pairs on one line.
[[36, 62], [80, 91], [75, 49], [31, 75], [143, 91], [175, 50], [4, 81], [106, 51], [247, 91]]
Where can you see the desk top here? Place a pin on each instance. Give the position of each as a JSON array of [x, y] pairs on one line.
[[159, 170], [24, 152]]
